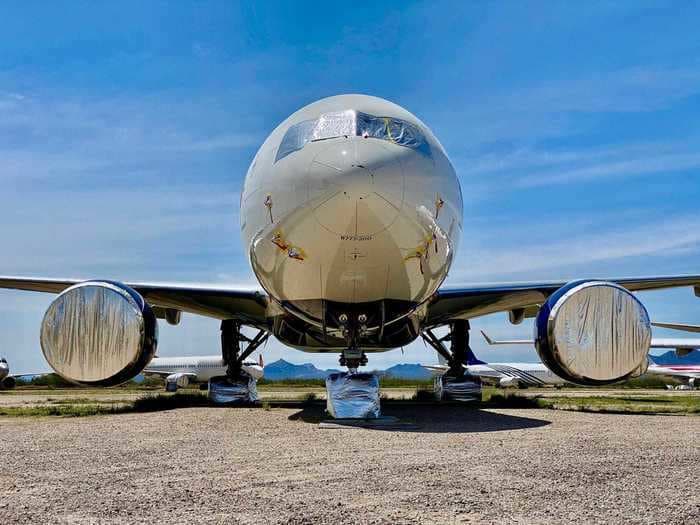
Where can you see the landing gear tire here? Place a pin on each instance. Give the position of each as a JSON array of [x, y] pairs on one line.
[[456, 384], [237, 386]]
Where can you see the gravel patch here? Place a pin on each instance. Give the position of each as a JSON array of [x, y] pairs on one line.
[[460, 465]]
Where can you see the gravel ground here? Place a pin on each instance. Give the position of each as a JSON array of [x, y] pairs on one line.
[[245, 465], [18, 398]]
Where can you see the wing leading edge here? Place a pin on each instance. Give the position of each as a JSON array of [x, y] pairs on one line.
[[250, 304], [220, 302], [469, 301]]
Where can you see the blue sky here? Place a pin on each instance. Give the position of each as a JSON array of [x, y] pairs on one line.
[[126, 129]]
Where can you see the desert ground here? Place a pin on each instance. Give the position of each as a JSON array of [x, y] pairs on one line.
[[275, 464]]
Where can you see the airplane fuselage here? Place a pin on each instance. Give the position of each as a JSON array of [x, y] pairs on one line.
[[351, 215], [202, 368], [537, 374]]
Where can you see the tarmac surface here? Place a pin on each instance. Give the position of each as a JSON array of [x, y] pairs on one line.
[[251, 465]]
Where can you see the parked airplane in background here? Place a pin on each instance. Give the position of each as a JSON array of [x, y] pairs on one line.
[[7, 380], [536, 374], [178, 372], [351, 216]]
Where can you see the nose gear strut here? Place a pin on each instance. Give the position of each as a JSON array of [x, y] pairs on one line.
[[353, 357]]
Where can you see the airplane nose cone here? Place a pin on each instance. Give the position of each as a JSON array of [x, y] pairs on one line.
[[356, 186]]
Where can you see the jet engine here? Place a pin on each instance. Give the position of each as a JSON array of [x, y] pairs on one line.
[[8, 383], [175, 381], [99, 333], [509, 382], [593, 333]]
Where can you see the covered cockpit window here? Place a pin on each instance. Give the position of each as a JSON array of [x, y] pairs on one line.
[[295, 138], [332, 125], [352, 123], [392, 129]]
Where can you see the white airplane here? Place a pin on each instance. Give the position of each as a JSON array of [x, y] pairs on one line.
[[507, 375], [537, 374], [6, 380], [9, 381], [178, 372], [351, 216]]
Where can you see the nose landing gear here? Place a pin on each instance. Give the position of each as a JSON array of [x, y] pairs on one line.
[[353, 329], [352, 394]]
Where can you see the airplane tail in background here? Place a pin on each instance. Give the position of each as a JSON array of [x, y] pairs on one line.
[[472, 359]]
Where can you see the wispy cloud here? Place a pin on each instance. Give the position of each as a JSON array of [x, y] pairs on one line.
[[560, 107], [669, 237], [113, 139], [635, 89], [529, 167], [189, 232], [664, 164]]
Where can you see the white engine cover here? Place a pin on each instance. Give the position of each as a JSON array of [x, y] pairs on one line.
[[180, 380], [99, 333], [593, 333], [508, 382]]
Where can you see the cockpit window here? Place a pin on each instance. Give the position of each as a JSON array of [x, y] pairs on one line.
[[295, 138], [392, 129], [352, 123]]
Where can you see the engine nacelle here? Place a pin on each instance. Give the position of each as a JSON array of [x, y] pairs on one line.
[[8, 383], [509, 382], [99, 333], [593, 333], [175, 381]]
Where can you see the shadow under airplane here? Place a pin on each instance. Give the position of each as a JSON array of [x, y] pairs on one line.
[[432, 418]]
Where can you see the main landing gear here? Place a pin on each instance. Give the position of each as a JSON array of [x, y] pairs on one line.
[[231, 338], [456, 384], [237, 386]]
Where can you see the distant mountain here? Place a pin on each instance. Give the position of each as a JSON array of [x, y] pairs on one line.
[[670, 358], [281, 370], [407, 371]]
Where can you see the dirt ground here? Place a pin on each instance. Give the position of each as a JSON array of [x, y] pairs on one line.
[[25, 397], [455, 465]]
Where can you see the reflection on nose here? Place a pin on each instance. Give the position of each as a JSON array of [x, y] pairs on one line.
[[356, 186]]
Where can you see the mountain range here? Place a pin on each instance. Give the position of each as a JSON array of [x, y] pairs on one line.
[[281, 370]]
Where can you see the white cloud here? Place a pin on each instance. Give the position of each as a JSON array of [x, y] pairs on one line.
[[595, 243], [559, 107], [646, 165], [626, 90]]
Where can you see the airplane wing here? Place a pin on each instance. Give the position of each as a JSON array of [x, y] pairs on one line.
[[484, 371], [679, 343], [681, 327], [221, 302], [166, 373], [469, 301]]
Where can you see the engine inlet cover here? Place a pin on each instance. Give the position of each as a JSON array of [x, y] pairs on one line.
[[593, 333], [99, 333]]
